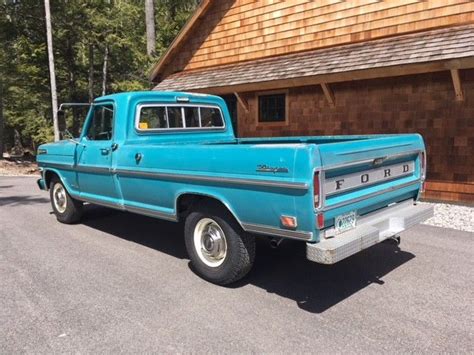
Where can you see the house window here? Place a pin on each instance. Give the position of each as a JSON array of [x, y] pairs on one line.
[[272, 108]]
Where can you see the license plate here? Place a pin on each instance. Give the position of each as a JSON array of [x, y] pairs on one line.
[[344, 222]]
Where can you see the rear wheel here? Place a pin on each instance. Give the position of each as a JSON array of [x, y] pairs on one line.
[[66, 209], [220, 251]]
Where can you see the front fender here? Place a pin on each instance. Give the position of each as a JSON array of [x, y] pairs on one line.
[[65, 176]]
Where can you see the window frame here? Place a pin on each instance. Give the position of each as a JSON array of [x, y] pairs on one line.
[[285, 122], [183, 129], [90, 118]]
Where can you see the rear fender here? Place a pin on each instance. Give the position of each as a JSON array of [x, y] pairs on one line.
[[216, 197]]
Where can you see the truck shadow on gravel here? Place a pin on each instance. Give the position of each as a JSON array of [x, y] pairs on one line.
[[284, 271]]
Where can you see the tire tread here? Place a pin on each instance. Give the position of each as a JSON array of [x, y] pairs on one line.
[[243, 255]]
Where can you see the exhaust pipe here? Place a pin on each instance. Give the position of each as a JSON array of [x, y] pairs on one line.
[[395, 239], [275, 242]]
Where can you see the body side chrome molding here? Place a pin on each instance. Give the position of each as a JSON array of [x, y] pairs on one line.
[[94, 201], [81, 168], [174, 176], [56, 165], [238, 181], [129, 208], [91, 169], [151, 213], [269, 230]]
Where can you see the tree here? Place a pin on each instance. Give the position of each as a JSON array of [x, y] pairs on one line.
[[91, 73], [150, 27], [1, 120], [89, 36], [104, 69], [52, 72]]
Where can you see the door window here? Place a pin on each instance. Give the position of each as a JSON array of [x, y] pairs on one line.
[[101, 126]]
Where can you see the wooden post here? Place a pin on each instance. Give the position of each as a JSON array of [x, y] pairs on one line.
[[329, 94], [457, 85], [242, 101]]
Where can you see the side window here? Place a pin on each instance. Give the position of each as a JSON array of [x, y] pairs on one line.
[[153, 117], [175, 119], [192, 116], [101, 126], [211, 117]]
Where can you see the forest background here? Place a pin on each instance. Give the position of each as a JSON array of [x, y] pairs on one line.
[[99, 46]]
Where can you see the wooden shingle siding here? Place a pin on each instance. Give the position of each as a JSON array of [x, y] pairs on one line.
[[234, 31], [390, 56], [417, 103]]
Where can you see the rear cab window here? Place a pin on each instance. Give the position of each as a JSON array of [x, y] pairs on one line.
[[167, 117]]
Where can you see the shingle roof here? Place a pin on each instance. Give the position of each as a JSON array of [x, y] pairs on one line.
[[430, 46]]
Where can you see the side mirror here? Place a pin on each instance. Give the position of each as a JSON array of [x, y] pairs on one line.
[[61, 121]]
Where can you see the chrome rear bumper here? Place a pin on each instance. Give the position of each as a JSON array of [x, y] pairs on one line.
[[371, 229]]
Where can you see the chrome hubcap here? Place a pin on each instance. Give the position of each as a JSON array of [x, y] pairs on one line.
[[59, 198], [210, 242]]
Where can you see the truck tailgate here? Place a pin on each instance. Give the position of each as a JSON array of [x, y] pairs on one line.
[[363, 175]]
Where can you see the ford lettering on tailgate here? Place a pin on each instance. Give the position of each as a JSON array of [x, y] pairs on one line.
[[368, 177]]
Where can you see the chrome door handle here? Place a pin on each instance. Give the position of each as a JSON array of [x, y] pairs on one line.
[[114, 147], [105, 151], [138, 157]]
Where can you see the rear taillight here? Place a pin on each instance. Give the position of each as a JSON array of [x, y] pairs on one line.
[[320, 220], [316, 188]]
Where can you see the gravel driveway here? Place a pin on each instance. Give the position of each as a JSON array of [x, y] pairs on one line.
[[452, 216], [120, 282]]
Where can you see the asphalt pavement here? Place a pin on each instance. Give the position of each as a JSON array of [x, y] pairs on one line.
[[120, 282]]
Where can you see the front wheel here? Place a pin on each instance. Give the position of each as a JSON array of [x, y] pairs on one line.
[[66, 209], [220, 251]]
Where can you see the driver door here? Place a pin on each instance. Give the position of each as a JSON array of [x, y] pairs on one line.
[[95, 155]]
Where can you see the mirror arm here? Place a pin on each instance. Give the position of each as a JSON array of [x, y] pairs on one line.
[[76, 142]]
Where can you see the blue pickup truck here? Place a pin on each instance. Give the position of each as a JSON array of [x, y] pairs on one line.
[[174, 156]]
